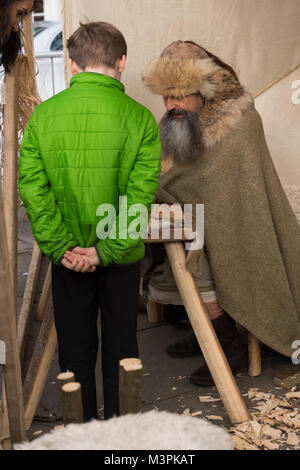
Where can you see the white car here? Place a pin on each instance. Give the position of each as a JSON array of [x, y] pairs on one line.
[[48, 48]]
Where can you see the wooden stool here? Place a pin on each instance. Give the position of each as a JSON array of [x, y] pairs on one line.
[[205, 334]]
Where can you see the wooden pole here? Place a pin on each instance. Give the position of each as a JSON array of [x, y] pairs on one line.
[[72, 403], [45, 296], [130, 385], [28, 299], [254, 368], [28, 42], [39, 367], [8, 333], [10, 160], [208, 341]]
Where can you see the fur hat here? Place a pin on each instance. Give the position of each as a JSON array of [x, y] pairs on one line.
[[184, 68]]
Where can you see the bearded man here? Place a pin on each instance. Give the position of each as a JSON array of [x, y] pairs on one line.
[[215, 153]]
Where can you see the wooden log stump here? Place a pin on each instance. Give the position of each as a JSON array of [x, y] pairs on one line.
[[63, 379], [72, 403], [130, 385]]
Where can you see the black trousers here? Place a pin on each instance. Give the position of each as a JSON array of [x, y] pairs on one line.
[[76, 300]]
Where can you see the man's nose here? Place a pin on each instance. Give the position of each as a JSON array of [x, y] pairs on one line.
[[171, 104]]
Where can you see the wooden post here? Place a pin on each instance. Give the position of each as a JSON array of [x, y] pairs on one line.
[[208, 341], [5, 441], [72, 403], [8, 332], [28, 298], [130, 385], [45, 296], [154, 311], [254, 368], [65, 378], [39, 367], [10, 160], [28, 42]]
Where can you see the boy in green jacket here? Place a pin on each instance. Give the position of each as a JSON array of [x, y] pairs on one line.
[[85, 150]]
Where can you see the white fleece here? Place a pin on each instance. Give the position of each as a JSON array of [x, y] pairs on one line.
[[154, 430]]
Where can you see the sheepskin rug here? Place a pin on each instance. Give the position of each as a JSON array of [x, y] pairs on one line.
[[154, 430]]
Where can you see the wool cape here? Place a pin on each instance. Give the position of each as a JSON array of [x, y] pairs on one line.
[[251, 234]]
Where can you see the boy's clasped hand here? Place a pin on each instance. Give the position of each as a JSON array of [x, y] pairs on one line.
[[83, 260]]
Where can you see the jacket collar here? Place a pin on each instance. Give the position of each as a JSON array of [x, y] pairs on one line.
[[96, 79]]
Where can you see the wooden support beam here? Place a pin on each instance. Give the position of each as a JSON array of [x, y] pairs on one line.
[[10, 169], [8, 334], [208, 341], [28, 299], [130, 385], [5, 441], [72, 403], [254, 353], [39, 366], [28, 42], [45, 296]]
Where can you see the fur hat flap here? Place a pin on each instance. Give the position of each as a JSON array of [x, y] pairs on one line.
[[177, 77]]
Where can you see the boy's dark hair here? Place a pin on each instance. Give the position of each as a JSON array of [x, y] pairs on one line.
[[96, 44]]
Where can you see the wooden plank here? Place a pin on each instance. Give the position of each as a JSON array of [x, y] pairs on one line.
[[45, 296], [39, 366], [25, 314], [206, 336], [130, 385], [8, 332]]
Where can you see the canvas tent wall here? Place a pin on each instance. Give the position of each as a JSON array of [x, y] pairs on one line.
[[260, 39]]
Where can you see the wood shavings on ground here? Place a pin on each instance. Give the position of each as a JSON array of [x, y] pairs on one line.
[[208, 399], [214, 417], [274, 425]]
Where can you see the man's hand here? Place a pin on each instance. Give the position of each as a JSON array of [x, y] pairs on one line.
[[81, 259]]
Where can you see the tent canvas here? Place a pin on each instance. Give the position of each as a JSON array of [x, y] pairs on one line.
[[260, 39]]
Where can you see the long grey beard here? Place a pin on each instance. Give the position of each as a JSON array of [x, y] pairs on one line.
[[181, 138]]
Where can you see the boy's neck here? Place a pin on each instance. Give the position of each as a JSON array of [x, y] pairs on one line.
[[104, 71]]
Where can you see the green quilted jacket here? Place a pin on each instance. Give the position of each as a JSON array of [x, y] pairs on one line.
[[87, 146]]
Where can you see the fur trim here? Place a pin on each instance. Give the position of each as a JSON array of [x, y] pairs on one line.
[[169, 76], [217, 118]]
